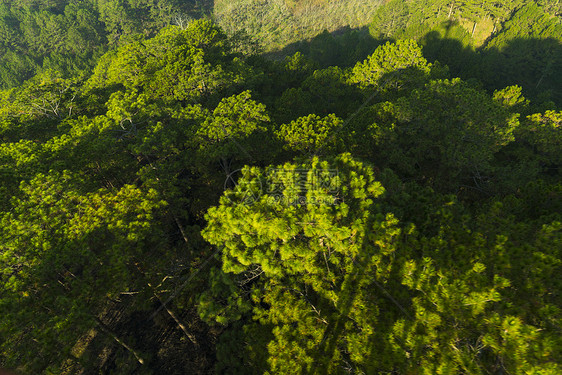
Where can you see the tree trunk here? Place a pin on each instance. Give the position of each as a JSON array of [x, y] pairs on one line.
[[108, 330], [186, 240], [178, 322]]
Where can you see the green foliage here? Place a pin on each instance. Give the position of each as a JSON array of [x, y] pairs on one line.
[[530, 50], [64, 252], [339, 283], [35, 34], [394, 66], [310, 134], [511, 97], [236, 122], [326, 91], [544, 132], [445, 134], [295, 262], [512, 43], [378, 216], [188, 65]]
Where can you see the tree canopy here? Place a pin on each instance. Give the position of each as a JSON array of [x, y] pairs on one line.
[[172, 201]]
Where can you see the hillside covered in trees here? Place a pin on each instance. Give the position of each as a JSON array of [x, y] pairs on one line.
[[281, 187]]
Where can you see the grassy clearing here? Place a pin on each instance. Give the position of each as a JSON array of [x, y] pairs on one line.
[[480, 30], [273, 24]]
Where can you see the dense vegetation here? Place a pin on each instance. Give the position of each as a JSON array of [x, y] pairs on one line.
[[67, 35], [493, 42], [172, 202]]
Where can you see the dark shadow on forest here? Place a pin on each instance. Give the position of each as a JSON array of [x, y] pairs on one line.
[[343, 47], [534, 64]]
